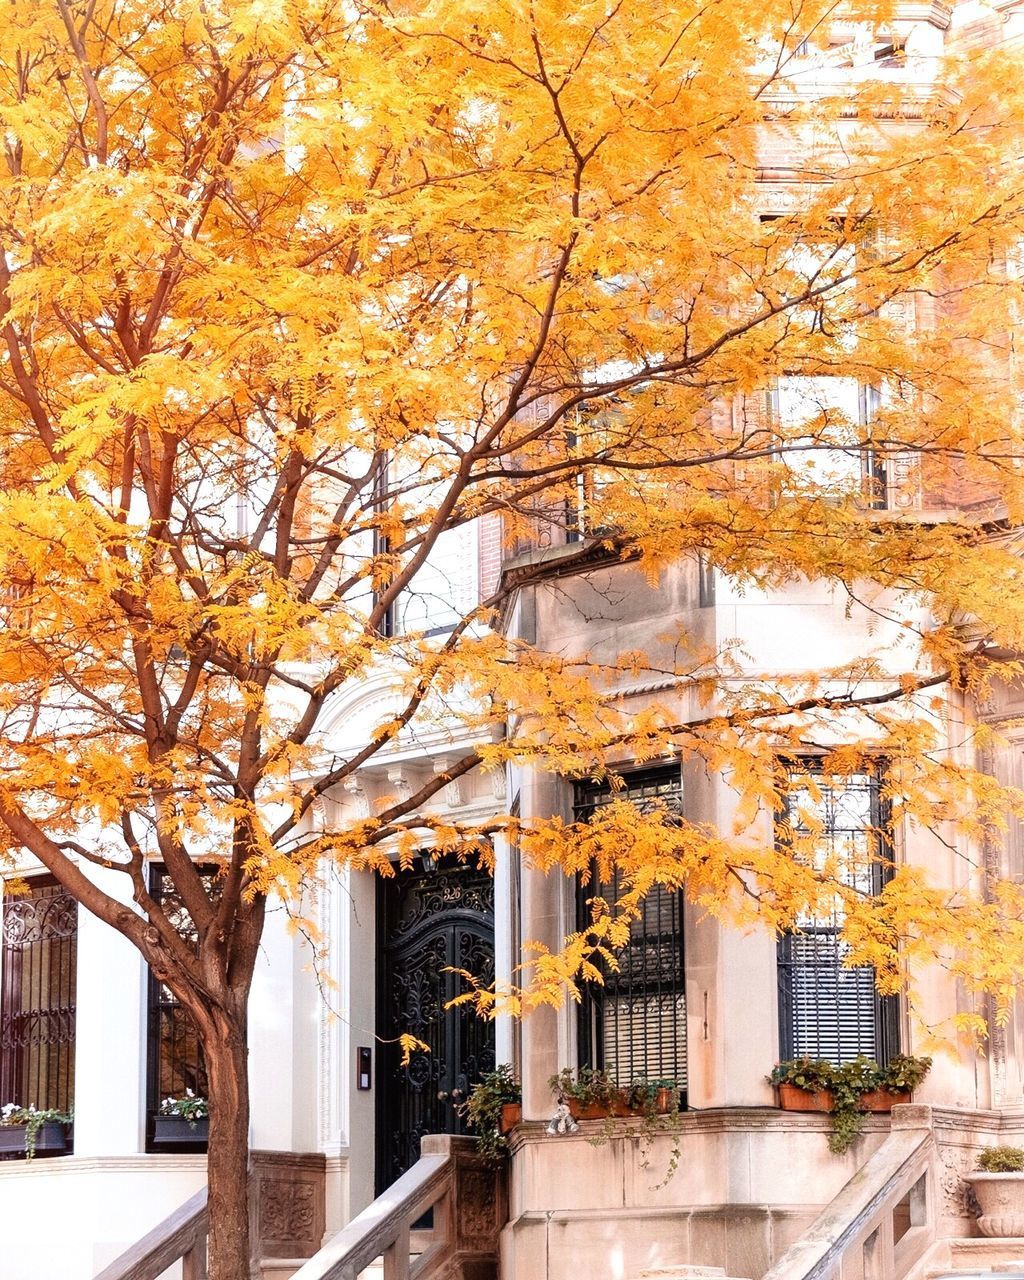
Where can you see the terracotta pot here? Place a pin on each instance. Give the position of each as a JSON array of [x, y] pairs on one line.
[[617, 1108], [882, 1099], [793, 1098], [511, 1115], [1001, 1197], [664, 1101]]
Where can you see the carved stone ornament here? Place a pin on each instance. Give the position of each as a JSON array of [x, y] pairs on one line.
[[477, 1204], [958, 1200], [287, 1210], [357, 797]]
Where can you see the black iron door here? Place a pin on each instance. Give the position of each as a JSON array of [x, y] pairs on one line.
[[434, 923]]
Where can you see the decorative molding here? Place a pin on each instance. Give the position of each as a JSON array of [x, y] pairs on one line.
[[934, 13], [359, 801], [958, 1200], [399, 782], [451, 791], [287, 1203], [77, 1166]]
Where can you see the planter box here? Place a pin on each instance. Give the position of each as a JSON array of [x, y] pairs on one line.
[[793, 1098], [175, 1133], [511, 1115], [619, 1108], [595, 1110], [1001, 1197], [51, 1140], [883, 1099]]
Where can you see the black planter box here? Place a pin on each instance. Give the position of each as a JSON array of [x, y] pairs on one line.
[[51, 1140], [175, 1133]]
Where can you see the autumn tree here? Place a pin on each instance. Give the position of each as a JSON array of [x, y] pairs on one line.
[[291, 291]]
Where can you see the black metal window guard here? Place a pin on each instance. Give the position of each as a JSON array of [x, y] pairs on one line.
[[174, 1059], [37, 1005], [634, 1025], [826, 1008]]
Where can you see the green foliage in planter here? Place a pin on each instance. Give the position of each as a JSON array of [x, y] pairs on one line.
[[1001, 1160], [11, 1116], [588, 1087], [642, 1095], [482, 1110], [905, 1072], [847, 1084], [189, 1107], [592, 1087], [813, 1074]]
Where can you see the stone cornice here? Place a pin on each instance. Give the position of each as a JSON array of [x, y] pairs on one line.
[[930, 11]]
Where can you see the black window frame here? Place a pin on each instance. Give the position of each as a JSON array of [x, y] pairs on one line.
[[37, 1040], [666, 1055], [885, 1015], [160, 1002]]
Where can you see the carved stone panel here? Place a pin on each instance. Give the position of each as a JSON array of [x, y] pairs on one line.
[[287, 1204], [957, 1196]]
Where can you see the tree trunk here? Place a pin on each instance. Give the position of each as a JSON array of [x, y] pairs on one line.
[[226, 1055]]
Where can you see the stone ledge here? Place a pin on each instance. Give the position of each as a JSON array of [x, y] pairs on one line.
[[909, 1115], [68, 1166]]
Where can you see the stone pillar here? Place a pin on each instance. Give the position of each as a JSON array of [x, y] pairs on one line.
[[478, 1206], [549, 1041], [110, 1033]]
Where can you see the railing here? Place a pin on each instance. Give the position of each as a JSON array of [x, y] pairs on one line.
[[182, 1236], [881, 1223], [465, 1194], [468, 1213]]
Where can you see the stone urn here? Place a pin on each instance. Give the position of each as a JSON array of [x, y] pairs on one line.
[[1001, 1197]]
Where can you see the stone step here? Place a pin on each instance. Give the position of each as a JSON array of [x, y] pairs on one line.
[[285, 1268], [686, 1271], [280, 1268], [981, 1256], [985, 1253]]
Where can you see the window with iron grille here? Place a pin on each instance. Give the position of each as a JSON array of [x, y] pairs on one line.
[[634, 1025], [37, 997], [175, 1063], [826, 1009]]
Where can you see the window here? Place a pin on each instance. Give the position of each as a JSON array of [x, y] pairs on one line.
[[635, 1024], [827, 1010], [705, 583], [37, 997], [837, 413], [175, 1062]]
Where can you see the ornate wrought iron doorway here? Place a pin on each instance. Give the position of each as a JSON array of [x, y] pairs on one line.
[[431, 922]]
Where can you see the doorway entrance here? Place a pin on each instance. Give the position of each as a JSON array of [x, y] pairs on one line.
[[431, 923]]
